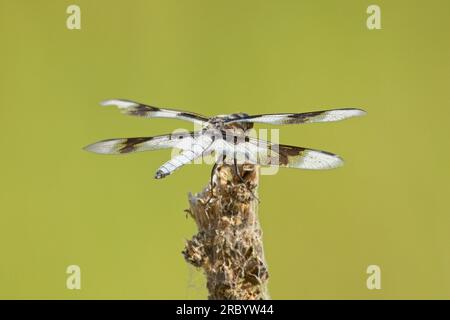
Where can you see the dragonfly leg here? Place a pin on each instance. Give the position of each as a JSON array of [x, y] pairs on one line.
[[212, 184], [236, 169]]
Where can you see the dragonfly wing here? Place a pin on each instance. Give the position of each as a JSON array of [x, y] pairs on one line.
[[141, 110], [255, 151], [181, 141], [293, 157], [307, 117]]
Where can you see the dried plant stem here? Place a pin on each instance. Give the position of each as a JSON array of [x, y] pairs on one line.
[[228, 245]]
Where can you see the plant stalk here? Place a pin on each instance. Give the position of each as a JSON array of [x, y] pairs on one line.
[[228, 245]]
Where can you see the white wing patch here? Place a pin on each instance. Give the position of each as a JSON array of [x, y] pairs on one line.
[[315, 160], [121, 104], [337, 115]]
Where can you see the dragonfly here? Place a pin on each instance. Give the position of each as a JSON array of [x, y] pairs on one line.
[[226, 137]]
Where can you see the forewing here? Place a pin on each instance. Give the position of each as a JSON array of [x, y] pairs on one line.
[[127, 145], [307, 117], [141, 110]]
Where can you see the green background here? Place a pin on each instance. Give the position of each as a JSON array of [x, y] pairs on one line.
[[60, 205]]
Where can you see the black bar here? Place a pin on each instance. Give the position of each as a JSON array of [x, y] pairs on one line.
[[201, 309]]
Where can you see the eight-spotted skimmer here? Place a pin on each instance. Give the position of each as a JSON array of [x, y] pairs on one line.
[[226, 137]]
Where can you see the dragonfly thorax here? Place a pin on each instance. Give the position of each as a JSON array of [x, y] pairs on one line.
[[220, 122]]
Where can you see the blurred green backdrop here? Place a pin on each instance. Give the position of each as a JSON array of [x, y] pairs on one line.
[[60, 205]]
